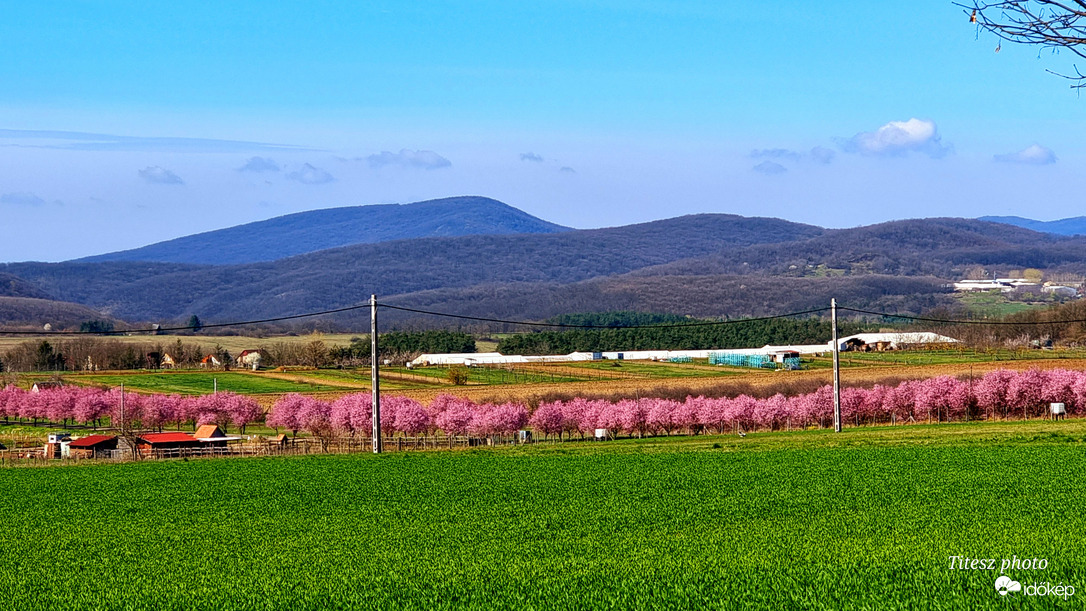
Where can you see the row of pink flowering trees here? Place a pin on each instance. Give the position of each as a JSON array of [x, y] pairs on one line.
[[997, 394], [94, 407], [352, 415]]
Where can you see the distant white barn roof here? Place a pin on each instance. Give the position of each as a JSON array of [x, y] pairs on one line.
[[896, 340]]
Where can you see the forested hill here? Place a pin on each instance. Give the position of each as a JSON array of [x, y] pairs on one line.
[[942, 247], [342, 276], [13, 286], [1069, 226], [700, 265], [304, 232]]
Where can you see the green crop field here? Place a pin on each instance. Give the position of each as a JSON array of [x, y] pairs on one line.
[[994, 304], [940, 357], [867, 519], [493, 375], [698, 369], [355, 379], [198, 382]]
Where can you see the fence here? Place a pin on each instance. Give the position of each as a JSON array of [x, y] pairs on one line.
[[34, 456]]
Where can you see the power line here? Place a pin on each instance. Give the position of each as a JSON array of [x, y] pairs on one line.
[[962, 322], [190, 328], [568, 326], [541, 324]]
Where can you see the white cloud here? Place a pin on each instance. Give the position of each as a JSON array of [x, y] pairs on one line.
[[567, 170], [259, 164], [21, 199], [160, 176], [310, 175], [531, 157], [898, 138], [770, 167], [1032, 155], [424, 160]]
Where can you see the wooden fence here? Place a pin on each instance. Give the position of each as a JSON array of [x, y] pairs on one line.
[[34, 456]]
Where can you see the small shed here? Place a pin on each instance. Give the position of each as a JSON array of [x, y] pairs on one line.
[[168, 362], [210, 361], [781, 356], [212, 436], [93, 446], [207, 432]]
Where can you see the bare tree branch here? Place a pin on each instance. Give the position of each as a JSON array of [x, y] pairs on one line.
[[1050, 24]]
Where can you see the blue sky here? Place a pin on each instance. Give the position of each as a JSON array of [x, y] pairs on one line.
[[125, 123]]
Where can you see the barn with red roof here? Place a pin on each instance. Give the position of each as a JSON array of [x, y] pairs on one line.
[[93, 446], [159, 444]]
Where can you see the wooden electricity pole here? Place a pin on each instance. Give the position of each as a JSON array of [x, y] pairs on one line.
[[836, 369], [374, 382]]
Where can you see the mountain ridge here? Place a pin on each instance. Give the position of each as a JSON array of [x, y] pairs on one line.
[[316, 230], [1075, 225], [708, 265]]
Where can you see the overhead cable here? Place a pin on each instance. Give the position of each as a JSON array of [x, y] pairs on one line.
[[707, 323]]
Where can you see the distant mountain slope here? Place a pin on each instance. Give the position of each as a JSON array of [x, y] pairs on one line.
[[705, 265], [304, 232], [695, 295], [1069, 226], [33, 314], [940, 247], [341, 276], [14, 286]]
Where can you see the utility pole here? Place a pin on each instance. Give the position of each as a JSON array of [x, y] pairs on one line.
[[836, 369], [374, 381]]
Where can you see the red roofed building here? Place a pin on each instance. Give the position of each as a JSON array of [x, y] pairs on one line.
[[158, 444], [93, 446]]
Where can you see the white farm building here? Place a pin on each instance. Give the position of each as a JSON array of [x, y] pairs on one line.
[[878, 341]]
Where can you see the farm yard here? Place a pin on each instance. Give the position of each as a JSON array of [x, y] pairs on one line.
[[867, 519], [739, 498], [650, 400]]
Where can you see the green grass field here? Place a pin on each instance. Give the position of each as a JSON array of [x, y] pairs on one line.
[[940, 357], [993, 304], [198, 382], [862, 520], [491, 375], [700, 368]]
